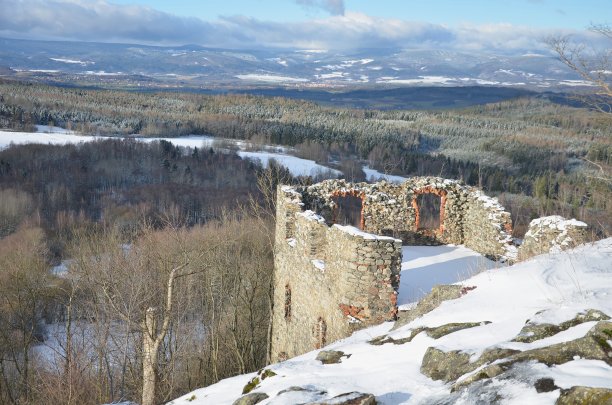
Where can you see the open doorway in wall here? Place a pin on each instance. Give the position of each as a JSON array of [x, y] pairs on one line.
[[348, 210], [429, 214]]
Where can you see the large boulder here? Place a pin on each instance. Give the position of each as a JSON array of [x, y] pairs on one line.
[[251, 399], [585, 396]]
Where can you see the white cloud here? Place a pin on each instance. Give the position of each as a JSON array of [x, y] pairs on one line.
[[99, 20]]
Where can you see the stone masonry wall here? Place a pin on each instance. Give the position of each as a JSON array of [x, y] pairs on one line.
[[550, 234], [331, 279], [337, 278]]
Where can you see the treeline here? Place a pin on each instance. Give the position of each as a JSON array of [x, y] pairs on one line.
[[111, 244], [120, 182], [79, 335], [504, 147]]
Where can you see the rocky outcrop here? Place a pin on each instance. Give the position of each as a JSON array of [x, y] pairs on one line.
[[251, 399], [593, 346], [436, 332], [449, 366], [535, 331], [350, 398], [553, 233], [585, 396]]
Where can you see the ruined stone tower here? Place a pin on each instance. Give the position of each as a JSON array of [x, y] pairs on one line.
[[332, 279]]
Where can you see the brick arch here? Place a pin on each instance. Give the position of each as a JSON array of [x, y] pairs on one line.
[[429, 190], [350, 193]]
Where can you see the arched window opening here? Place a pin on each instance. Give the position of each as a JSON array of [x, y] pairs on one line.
[[287, 302], [348, 210], [320, 333], [429, 211]]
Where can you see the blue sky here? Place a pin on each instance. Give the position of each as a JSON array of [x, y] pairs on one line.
[[575, 14], [469, 25]]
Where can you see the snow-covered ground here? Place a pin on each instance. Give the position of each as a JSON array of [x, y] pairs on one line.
[[375, 175], [555, 287], [426, 266], [297, 166]]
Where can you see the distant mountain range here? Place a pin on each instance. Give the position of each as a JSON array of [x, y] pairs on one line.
[[192, 65]]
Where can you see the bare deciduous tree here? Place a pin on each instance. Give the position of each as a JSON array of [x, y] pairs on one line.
[[593, 66]]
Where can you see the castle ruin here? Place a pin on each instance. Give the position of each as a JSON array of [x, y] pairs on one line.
[[331, 279]]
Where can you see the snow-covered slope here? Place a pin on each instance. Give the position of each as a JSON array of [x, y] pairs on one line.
[[550, 289]]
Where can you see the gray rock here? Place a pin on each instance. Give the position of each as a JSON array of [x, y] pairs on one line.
[[585, 396], [350, 398], [448, 366], [251, 399], [545, 385], [435, 333], [532, 331], [449, 328], [593, 346], [331, 356]]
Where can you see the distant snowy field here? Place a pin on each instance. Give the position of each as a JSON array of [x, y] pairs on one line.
[[60, 136], [548, 288]]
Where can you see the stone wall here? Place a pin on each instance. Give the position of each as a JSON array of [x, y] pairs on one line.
[[467, 216], [329, 280], [552, 233]]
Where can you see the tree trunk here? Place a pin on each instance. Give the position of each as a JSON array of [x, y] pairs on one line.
[[149, 358]]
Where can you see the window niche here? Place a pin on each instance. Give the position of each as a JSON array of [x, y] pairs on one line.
[[348, 209], [287, 303], [320, 333]]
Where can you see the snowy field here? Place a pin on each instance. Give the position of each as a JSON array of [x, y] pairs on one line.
[[374, 175], [297, 166], [548, 288]]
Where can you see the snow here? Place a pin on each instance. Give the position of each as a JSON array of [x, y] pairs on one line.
[[296, 166], [375, 175], [271, 78], [312, 216], [102, 73], [73, 61], [55, 138], [561, 284], [420, 80], [48, 129], [575, 83], [319, 264], [423, 267], [351, 230]]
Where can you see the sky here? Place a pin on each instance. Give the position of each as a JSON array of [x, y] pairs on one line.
[[477, 25]]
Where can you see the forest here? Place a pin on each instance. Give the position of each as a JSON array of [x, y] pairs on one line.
[[129, 265]]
